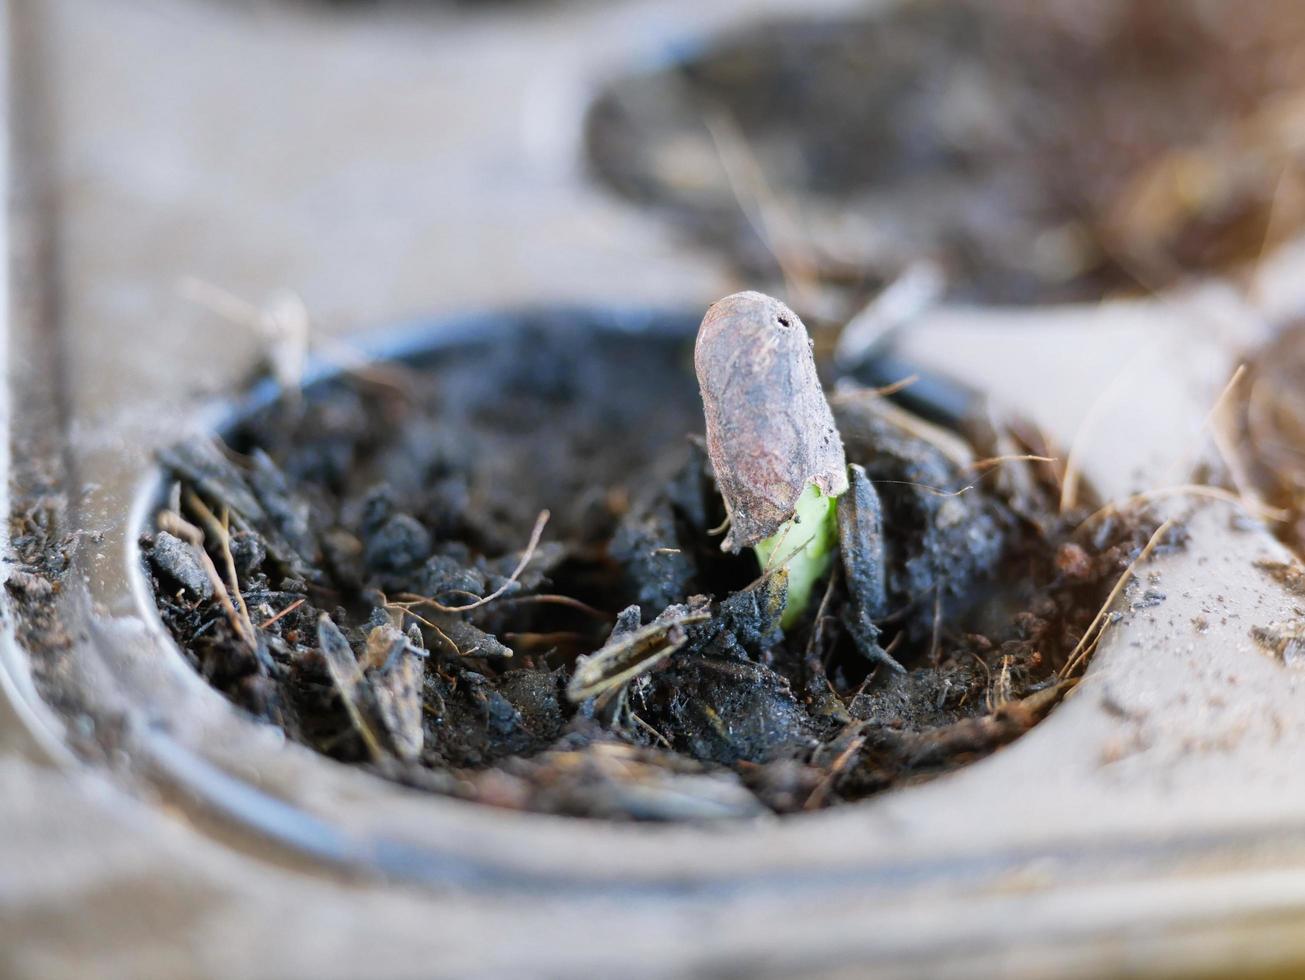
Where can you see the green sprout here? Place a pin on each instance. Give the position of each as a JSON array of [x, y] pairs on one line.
[[771, 437], [805, 546]]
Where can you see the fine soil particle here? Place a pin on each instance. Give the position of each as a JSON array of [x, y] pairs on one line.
[[363, 566], [1037, 150], [1285, 641]]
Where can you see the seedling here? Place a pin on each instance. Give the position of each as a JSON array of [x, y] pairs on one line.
[[772, 440]]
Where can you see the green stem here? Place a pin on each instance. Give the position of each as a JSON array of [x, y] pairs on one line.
[[806, 546]]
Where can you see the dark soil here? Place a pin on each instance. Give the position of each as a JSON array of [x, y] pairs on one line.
[[1037, 150], [348, 503]]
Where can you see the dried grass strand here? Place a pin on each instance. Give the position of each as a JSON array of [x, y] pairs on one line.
[[282, 614], [526, 556]]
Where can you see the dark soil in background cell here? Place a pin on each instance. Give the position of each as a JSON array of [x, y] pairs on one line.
[[426, 479], [1037, 150]]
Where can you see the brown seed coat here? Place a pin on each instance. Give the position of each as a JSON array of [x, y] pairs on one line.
[[770, 432]]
